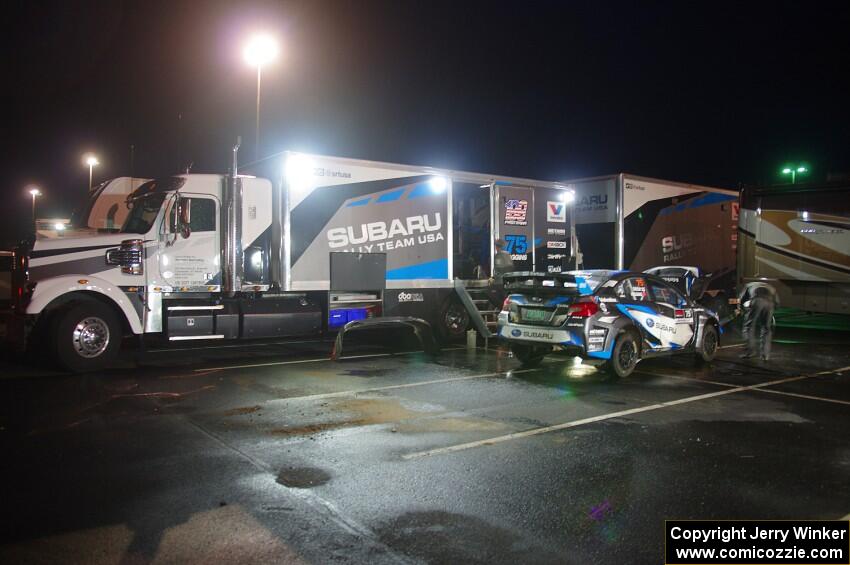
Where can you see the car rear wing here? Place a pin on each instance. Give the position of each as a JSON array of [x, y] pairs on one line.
[[546, 283]]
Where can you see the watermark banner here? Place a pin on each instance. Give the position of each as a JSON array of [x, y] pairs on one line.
[[762, 542]]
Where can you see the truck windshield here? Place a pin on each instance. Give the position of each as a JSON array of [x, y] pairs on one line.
[[143, 213]]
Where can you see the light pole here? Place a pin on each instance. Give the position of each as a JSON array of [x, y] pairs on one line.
[[260, 50], [793, 172], [92, 162], [34, 191]]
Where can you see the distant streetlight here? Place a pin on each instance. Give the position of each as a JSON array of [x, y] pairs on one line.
[[793, 172], [92, 162], [34, 191], [260, 50]]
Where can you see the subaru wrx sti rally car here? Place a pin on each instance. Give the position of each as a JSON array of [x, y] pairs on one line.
[[616, 316]]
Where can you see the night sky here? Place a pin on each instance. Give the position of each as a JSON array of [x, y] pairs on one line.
[[713, 93]]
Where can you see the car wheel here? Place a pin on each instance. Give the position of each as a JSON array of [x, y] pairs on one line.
[[529, 355], [86, 336], [710, 341], [624, 357], [454, 321]]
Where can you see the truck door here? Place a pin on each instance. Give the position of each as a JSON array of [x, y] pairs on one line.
[[190, 256]]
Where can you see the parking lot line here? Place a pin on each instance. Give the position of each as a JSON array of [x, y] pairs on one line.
[[392, 387], [600, 418], [768, 390], [807, 396]]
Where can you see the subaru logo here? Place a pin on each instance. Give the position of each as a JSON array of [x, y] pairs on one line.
[[516, 333], [650, 322]]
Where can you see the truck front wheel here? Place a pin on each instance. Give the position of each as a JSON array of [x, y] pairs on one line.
[[86, 336]]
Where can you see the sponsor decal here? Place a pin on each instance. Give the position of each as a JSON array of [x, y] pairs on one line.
[[674, 246], [553, 268], [556, 231], [516, 212], [650, 322], [556, 212], [597, 331], [596, 340], [382, 236], [532, 334], [332, 173], [411, 297], [592, 202], [516, 333], [556, 244], [608, 299], [556, 256]]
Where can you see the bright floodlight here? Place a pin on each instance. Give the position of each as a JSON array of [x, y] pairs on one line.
[[92, 161], [438, 184], [801, 169], [786, 171], [261, 49], [59, 227], [568, 196], [35, 192]]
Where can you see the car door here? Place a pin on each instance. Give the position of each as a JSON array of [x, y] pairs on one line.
[[675, 317], [635, 302]]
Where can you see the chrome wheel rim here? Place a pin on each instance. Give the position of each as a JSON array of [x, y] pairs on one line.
[[90, 337]]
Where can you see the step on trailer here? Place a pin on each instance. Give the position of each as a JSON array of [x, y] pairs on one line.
[[222, 257]]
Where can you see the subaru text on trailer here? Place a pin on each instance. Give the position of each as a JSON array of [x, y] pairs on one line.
[[618, 317], [222, 257]]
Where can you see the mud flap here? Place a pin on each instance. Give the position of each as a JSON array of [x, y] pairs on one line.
[[420, 327]]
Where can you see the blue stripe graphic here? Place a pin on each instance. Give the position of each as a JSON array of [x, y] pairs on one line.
[[390, 196], [421, 189], [438, 269], [362, 202]]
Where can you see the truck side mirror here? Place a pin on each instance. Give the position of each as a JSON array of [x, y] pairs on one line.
[[182, 217]]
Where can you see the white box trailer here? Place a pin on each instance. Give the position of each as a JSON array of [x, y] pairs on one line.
[[625, 221], [222, 257]]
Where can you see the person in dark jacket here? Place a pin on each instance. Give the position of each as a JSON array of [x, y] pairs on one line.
[[758, 323]]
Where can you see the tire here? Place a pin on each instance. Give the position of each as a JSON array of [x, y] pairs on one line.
[[624, 357], [710, 341], [529, 355], [453, 321], [86, 336]]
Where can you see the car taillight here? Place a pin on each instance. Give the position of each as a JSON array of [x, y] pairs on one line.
[[583, 309]]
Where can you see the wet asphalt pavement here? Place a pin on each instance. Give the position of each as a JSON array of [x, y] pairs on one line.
[[269, 453]]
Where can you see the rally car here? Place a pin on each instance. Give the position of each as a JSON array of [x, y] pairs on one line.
[[619, 317]]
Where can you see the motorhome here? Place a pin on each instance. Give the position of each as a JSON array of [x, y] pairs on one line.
[[797, 238]]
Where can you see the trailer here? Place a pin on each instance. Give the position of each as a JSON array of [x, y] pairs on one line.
[[625, 221], [318, 245], [797, 238]]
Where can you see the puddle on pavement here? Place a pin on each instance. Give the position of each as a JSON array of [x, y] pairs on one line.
[[448, 425], [242, 410], [302, 477], [368, 372], [363, 412]]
